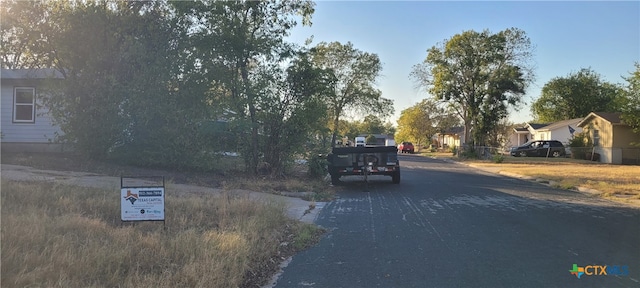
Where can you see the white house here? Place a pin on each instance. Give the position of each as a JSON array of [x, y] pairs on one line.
[[561, 131], [25, 122]]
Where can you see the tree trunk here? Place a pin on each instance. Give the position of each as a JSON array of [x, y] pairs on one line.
[[253, 162], [335, 130]]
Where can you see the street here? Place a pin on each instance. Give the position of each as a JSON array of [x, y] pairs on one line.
[[450, 225]]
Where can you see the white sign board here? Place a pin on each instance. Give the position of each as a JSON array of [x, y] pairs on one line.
[[142, 204]]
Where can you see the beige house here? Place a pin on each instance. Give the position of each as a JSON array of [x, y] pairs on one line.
[[453, 137], [612, 138]]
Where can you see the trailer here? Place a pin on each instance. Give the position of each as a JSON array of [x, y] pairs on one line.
[[365, 161]]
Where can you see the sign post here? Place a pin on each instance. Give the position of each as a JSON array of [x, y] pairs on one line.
[[142, 199]]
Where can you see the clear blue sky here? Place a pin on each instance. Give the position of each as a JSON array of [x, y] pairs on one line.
[[568, 36]]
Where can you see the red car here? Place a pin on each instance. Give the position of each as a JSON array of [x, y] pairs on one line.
[[406, 147]]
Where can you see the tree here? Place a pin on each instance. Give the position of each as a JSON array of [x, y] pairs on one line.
[[22, 35], [371, 140], [631, 100], [372, 125], [348, 129], [575, 96], [447, 121], [355, 73], [153, 75], [290, 109], [117, 67], [420, 122], [479, 74], [229, 40], [416, 123]]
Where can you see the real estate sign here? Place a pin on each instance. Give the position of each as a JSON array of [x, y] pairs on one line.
[[142, 204]]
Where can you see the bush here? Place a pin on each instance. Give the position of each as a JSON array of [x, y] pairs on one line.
[[317, 166], [454, 150], [498, 158], [578, 143], [469, 154], [371, 140]]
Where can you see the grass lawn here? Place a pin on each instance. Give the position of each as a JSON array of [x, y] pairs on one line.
[[614, 181], [66, 236]]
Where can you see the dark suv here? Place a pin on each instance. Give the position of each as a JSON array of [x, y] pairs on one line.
[[539, 148]]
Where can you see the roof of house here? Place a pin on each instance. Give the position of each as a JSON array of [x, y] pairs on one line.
[[536, 126], [521, 130], [30, 73], [613, 118], [453, 130], [561, 124], [385, 136]]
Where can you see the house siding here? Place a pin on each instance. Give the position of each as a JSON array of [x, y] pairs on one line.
[[623, 136], [40, 131], [615, 141], [451, 141], [561, 134]]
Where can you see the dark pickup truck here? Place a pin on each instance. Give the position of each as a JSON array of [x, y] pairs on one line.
[[367, 160]]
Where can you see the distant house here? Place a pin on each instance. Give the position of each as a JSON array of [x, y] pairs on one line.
[[381, 139], [612, 138], [25, 122], [561, 131], [452, 137], [519, 136]]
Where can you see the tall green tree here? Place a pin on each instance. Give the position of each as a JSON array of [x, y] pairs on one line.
[[372, 124], [290, 109], [420, 122], [631, 101], [23, 34], [480, 74], [354, 89], [348, 129], [229, 41], [575, 96], [117, 64]]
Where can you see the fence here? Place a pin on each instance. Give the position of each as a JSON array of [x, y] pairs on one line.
[[480, 152], [631, 156], [612, 155]]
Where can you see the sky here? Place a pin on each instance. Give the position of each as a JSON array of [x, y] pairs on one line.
[[567, 36]]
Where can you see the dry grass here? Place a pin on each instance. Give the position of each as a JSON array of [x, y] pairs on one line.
[[297, 186], [612, 180], [231, 178], [67, 236]]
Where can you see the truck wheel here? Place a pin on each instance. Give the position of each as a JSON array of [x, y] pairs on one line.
[[335, 180], [395, 178]]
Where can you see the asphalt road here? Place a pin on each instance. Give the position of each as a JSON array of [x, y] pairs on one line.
[[449, 225]]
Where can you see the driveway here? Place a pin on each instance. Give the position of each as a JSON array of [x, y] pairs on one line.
[[296, 208], [450, 225]]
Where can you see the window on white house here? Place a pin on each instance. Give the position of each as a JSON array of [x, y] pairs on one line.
[[596, 138], [24, 104]]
